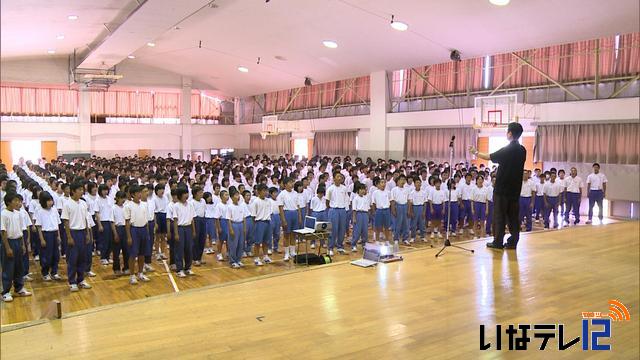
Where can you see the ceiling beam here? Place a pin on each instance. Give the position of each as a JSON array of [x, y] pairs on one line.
[[147, 23]]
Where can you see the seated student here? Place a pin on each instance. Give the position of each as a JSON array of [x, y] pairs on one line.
[[119, 243], [480, 197], [75, 215], [12, 248], [276, 224], [380, 203], [360, 208], [136, 218], [417, 199], [237, 228], [436, 200], [552, 193], [220, 216], [47, 221], [456, 203], [261, 211]]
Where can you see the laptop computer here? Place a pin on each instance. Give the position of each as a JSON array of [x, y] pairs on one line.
[[309, 226], [370, 257]]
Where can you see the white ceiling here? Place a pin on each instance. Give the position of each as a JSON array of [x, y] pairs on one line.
[[237, 32]]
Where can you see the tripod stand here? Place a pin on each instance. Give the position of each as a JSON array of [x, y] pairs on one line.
[[447, 243]]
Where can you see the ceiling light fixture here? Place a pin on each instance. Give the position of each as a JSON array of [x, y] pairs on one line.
[[60, 37], [500, 2], [51, 52], [398, 25], [330, 44], [243, 69], [151, 44], [131, 56], [72, 17]]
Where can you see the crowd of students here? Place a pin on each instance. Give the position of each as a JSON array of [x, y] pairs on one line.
[[128, 210]]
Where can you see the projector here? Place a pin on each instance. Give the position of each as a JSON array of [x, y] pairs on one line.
[[323, 226]]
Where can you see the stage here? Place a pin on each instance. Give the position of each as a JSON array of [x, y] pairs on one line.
[[419, 308]]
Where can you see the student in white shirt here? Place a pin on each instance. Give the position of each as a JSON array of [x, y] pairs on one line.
[[289, 216], [27, 224], [490, 187], [527, 194], [222, 222], [552, 194], [119, 235], [276, 224], [417, 200], [563, 197], [246, 201], [360, 209], [160, 204], [47, 221], [90, 197], [437, 198], [338, 203], [75, 215], [399, 201], [136, 218], [456, 203], [152, 227], [34, 206], [318, 208], [538, 206], [13, 248], [466, 213], [381, 206], [200, 236], [171, 228], [573, 186], [184, 229], [104, 213], [237, 227], [480, 197], [261, 211], [596, 191], [209, 222]]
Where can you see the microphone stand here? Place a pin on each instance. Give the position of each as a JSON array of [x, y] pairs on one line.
[[447, 243]]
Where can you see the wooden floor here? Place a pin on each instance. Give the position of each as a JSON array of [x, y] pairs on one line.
[[416, 309], [107, 289]]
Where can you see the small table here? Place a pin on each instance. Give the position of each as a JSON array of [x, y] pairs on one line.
[[317, 235]]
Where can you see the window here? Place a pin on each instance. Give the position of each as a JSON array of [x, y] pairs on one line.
[[301, 147], [39, 119], [134, 120], [29, 150], [498, 142]]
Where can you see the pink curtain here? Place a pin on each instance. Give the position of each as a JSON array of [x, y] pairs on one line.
[[433, 143], [203, 107], [310, 97], [38, 101], [272, 145], [166, 105], [334, 143], [615, 143]]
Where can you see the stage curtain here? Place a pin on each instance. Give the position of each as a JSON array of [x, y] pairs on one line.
[[433, 143], [611, 143], [334, 143], [272, 145]]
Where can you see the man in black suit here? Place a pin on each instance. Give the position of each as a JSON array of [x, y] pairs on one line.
[[506, 193]]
